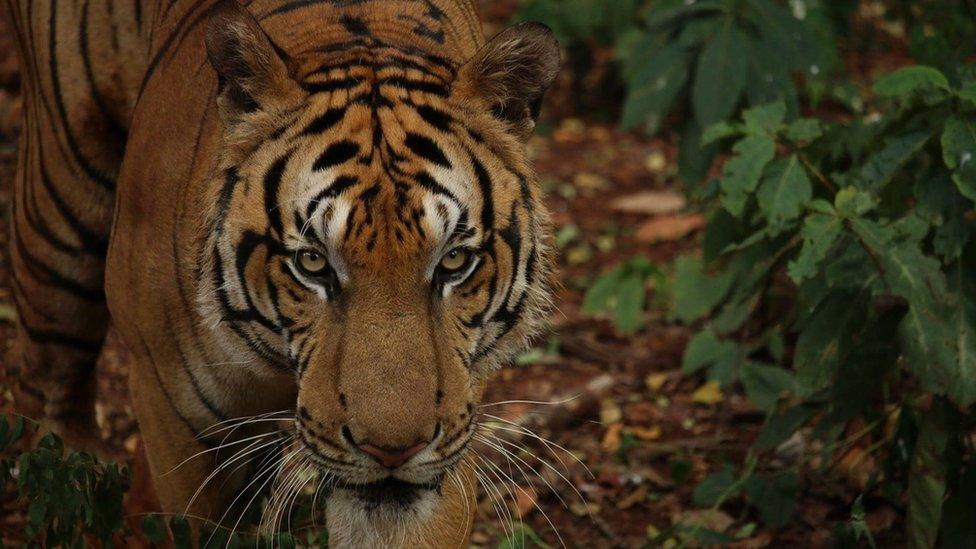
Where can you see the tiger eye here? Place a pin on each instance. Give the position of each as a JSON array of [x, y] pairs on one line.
[[312, 262], [455, 259]]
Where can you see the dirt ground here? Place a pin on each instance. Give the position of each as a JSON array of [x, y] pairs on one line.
[[619, 405]]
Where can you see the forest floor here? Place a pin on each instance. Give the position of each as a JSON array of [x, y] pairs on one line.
[[641, 435]]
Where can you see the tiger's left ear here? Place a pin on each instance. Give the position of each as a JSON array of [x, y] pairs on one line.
[[512, 73], [252, 73]]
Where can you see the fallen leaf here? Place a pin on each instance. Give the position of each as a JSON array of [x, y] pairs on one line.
[[584, 509], [7, 313], [612, 439], [856, 465], [654, 382], [525, 500], [709, 393], [590, 181], [635, 497], [610, 412], [669, 228], [712, 519], [571, 129], [655, 162], [650, 203], [645, 433]]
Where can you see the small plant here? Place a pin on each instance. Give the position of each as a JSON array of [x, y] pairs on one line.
[[73, 500], [855, 241], [623, 292]]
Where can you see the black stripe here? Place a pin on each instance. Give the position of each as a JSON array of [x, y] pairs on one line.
[[338, 186], [336, 154], [427, 149], [272, 181], [425, 180], [324, 122], [93, 173], [436, 118]]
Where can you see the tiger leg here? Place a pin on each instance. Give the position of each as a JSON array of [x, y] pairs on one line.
[[63, 199]]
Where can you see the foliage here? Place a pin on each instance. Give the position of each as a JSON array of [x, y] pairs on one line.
[[709, 56], [859, 236], [73, 500]]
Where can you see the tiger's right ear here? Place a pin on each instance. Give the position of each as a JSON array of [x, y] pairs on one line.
[[252, 74]]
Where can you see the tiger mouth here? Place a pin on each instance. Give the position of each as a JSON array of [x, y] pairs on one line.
[[390, 492]]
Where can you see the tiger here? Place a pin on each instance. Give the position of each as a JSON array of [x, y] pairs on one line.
[[315, 226]]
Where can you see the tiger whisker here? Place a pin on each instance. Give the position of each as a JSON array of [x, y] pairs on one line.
[[492, 468], [220, 447], [265, 467], [240, 454], [494, 495], [549, 444], [542, 461], [535, 502]]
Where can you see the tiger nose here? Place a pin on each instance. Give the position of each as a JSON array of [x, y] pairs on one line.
[[391, 458]]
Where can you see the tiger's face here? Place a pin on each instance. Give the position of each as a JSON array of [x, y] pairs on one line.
[[380, 234]]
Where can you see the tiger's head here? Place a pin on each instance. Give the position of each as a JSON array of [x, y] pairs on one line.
[[380, 234]]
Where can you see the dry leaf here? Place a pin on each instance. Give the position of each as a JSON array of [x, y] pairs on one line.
[[650, 203], [669, 228], [590, 181], [612, 439], [715, 520], [525, 500], [635, 497], [709, 393], [584, 509], [857, 465], [655, 162], [644, 433], [610, 412], [654, 382]]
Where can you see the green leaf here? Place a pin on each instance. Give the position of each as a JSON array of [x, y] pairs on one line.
[[962, 334], [819, 232], [154, 528], [765, 119], [720, 77], [824, 340], [696, 293], [768, 79], [654, 87], [705, 349], [853, 202], [878, 171], [765, 384], [958, 526], [629, 306], [784, 191], [968, 92], [927, 480], [694, 157], [780, 427], [959, 153], [602, 292], [906, 82], [743, 171], [719, 131], [804, 130], [774, 496], [657, 18], [714, 488], [182, 534]]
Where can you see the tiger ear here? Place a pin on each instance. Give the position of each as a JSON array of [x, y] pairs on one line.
[[512, 73], [251, 72]]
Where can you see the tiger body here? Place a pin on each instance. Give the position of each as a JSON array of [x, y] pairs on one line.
[[262, 202]]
